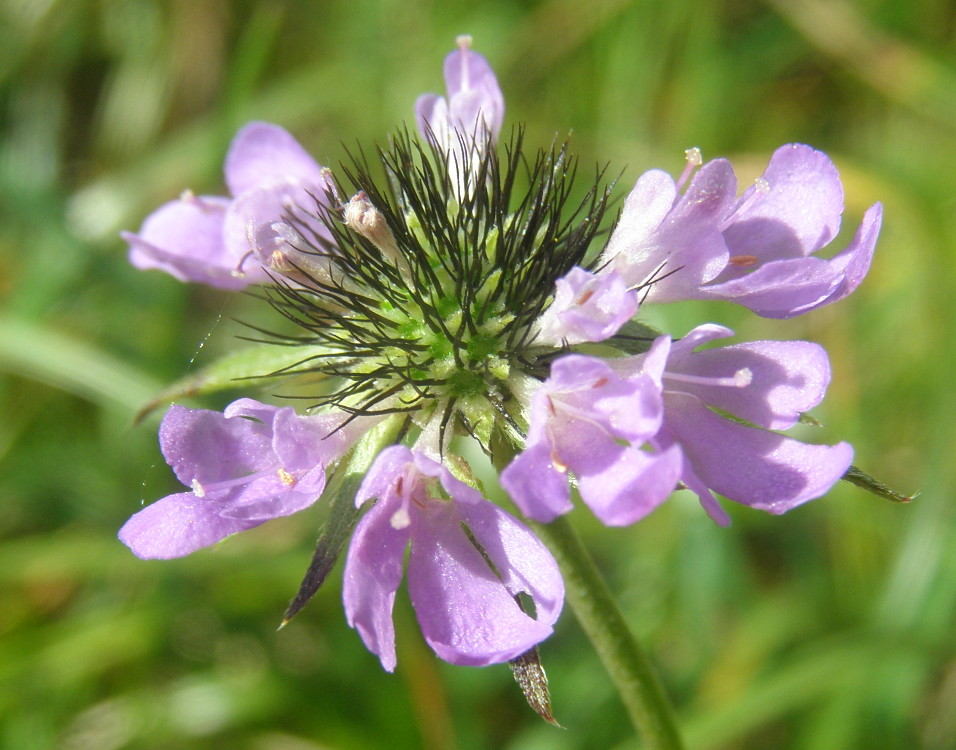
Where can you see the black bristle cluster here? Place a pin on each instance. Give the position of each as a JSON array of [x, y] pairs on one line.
[[488, 249]]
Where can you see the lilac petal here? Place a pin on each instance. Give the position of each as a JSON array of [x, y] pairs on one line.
[[854, 261], [645, 207], [248, 226], [300, 443], [466, 615], [206, 446], [589, 389], [380, 480], [782, 288], [473, 91], [373, 572], [687, 248], [538, 487], [753, 466], [431, 115], [262, 153], [786, 378], [523, 563], [184, 239], [178, 525], [800, 213], [252, 409], [587, 307], [628, 488]]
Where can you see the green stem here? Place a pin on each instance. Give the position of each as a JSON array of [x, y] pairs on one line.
[[597, 611]]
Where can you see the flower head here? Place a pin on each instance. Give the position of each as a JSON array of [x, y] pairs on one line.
[[468, 563], [470, 296]]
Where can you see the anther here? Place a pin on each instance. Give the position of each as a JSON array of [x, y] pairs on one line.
[[286, 478], [198, 489], [694, 160]]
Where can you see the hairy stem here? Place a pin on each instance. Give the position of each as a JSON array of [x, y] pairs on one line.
[[589, 596]]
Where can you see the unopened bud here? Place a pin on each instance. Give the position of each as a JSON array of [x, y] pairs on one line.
[[363, 218]]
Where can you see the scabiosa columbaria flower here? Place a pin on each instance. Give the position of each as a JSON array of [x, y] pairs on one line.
[[244, 466], [222, 242], [468, 563], [758, 250], [470, 297]]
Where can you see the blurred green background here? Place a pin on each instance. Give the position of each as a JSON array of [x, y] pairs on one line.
[[831, 627]]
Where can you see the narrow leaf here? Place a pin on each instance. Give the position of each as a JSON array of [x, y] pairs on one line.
[[342, 519], [343, 514], [875, 486], [530, 676], [261, 361]]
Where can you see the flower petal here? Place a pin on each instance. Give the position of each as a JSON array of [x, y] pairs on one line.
[[249, 222], [854, 261], [752, 466], [208, 446], [521, 560], [686, 249], [466, 614], [632, 485], [373, 572], [781, 288], [262, 153], [586, 307], [184, 238], [473, 92], [178, 525], [786, 378], [800, 213], [538, 487]]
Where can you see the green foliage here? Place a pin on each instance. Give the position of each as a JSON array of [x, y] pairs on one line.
[[828, 628]]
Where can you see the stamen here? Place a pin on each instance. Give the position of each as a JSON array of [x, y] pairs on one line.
[[198, 490], [286, 478], [740, 379], [761, 188], [237, 272], [400, 519], [743, 261], [557, 462], [694, 160]]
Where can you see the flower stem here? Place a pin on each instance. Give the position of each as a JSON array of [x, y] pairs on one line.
[[589, 596]]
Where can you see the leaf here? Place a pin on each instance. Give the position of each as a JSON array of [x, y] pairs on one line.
[[254, 362], [342, 519], [875, 486], [343, 514], [530, 676]]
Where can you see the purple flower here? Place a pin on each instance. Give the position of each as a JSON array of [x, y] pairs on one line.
[[590, 420], [586, 307], [767, 384], [210, 240], [757, 250], [245, 466], [464, 597], [475, 103], [473, 111]]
